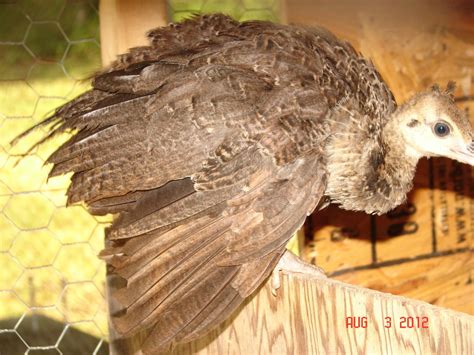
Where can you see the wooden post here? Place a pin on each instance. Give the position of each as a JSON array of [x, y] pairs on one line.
[[124, 24]]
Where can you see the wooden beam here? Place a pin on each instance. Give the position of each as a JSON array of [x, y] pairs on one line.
[[312, 316]]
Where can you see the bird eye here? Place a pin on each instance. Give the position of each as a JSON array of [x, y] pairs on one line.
[[441, 129]]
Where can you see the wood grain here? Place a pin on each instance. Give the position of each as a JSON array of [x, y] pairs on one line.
[[308, 316], [439, 281]]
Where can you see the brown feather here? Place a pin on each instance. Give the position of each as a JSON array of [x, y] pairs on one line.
[[210, 144]]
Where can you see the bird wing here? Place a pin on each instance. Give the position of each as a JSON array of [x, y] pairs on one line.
[[191, 263], [212, 165], [193, 248]]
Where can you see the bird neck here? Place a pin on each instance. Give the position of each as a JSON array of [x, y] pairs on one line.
[[370, 167]]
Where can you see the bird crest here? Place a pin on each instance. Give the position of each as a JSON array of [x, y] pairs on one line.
[[449, 91]]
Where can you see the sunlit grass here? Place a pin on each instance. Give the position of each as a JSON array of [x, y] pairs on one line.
[[48, 253]]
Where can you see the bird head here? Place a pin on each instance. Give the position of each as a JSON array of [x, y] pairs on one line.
[[432, 125]]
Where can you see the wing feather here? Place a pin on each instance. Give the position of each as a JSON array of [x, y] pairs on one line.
[[209, 145]]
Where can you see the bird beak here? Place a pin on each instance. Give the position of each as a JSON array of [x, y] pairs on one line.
[[464, 153]]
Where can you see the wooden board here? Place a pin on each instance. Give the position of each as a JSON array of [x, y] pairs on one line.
[[311, 316]]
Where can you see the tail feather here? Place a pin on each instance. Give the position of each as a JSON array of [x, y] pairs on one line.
[[115, 204], [122, 251], [79, 104], [210, 287], [174, 241], [92, 122], [131, 251], [125, 173], [169, 266], [178, 211], [246, 281], [168, 291], [91, 158], [156, 199], [215, 313]]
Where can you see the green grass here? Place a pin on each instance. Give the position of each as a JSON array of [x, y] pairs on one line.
[[48, 253], [240, 10]]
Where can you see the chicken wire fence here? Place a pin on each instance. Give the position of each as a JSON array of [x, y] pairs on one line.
[[52, 285]]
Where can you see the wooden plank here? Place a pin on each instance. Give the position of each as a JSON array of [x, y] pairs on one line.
[[443, 280], [311, 316]]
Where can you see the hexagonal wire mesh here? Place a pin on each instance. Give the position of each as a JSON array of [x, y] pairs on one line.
[[52, 285], [241, 10]]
